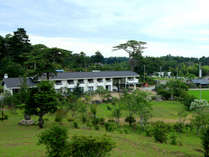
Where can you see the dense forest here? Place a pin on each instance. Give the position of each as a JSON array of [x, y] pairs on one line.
[[18, 57]]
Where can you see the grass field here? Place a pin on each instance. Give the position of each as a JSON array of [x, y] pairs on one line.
[[19, 141], [196, 93]]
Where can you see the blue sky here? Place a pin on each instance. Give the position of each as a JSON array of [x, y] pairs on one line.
[[179, 27]]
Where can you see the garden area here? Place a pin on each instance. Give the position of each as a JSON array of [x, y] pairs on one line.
[[22, 141], [74, 124]]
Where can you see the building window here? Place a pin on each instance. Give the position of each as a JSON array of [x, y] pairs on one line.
[[58, 82], [99, 80], [90, 81], [80, 81], [70, 81], [71, 89], [130, 78], [108, 80], [90, 88]]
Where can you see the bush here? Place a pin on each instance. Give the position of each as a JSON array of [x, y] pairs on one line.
[[148, 130], [179, 127], [160, 132], [173, 138], [55, 140], [186, 99], [130, 120], [205, 142], [82, 146], [5, 117], [110, 126], [75, 125], [84, 119], [60, 115], [109, 108], [96, 127], [101, 121], [70, 119], [97, 121]]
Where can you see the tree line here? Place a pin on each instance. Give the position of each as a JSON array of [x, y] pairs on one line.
[[18, 57]]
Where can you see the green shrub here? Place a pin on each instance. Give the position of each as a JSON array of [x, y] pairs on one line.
[[173, 138], [96, 127], [89, 124], [70, 119], [75, 125], [160, 132], [186, 99], [84, 119], [60, 115], [101, 121], [5, 117], [148, 130], [55, 140], [130, 120], [110, 126], [109, 108], [82, 146], [205, 142], [111, 120], [179, 127], [95, 121]]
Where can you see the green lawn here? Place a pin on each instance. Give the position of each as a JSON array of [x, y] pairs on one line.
[[161, 110], [19, 141], [196, 93]]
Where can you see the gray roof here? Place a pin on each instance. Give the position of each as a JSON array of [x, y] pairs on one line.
[[17, 82], [201, 81], [101, 74]]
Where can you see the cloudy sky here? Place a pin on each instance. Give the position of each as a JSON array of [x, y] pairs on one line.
[[176, 27]]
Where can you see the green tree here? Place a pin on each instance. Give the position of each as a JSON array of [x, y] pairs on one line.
[[97, 58], [117, 113], [138, 103], [55, 140], [18, 45], [134, 49], [88, 146], [44, 60], [205, 142], [43, 100]]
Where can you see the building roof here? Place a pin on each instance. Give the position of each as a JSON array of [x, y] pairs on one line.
[[17, 82], [201, 81], [100, 74]]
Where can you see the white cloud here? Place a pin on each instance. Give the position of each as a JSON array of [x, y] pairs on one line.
[[90, 47], [77, 45]]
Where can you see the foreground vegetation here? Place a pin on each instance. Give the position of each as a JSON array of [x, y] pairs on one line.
[[138, 122], [20, 141]]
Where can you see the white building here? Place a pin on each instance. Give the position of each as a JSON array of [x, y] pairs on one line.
[[87, 81]]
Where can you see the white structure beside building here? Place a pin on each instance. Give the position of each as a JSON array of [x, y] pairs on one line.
[[87, 81]]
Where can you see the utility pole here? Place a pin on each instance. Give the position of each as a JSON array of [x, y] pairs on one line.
[[200, 76], [144, 72], [160, 71]]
